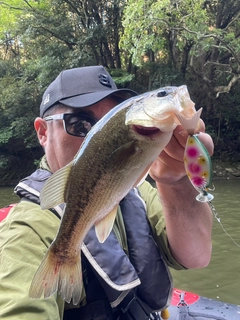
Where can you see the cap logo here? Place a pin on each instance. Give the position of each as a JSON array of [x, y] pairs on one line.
[[104, 80], [46, 100]]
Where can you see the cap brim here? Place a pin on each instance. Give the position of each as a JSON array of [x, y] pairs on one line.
[[87, 99]]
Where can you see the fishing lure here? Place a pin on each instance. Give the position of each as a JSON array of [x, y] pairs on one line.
[[197, 160]]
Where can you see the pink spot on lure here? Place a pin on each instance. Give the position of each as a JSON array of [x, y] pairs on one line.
[[197, 161], [198, 182], [194, 168], [191, 152]]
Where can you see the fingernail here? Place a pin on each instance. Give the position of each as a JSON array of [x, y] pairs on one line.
[[183, 133]]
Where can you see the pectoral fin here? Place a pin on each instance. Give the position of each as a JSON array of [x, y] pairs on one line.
[[104, 226], [52, 193]]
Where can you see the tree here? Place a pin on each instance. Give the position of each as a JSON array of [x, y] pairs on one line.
[[199, 40], [37, 41], [199, 37]]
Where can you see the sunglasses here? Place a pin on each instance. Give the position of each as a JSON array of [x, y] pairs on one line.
[[75, 124]]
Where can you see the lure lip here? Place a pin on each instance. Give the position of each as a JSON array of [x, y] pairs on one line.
[[204, 196]]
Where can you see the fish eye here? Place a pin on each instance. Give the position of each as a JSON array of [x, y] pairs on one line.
[[162, 93]]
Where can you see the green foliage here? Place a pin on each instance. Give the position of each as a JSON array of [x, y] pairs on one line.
[[121, 77], [141, 31], [5, 136], [155, 24], [144, 44]]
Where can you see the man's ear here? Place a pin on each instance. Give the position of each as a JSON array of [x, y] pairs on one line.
[[41, 129]]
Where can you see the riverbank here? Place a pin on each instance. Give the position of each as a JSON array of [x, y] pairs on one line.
[[221, 170]]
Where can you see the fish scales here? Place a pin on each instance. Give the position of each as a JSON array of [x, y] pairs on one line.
[[115, 155]]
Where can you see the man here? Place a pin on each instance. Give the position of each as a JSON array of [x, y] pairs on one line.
[[180, 225]]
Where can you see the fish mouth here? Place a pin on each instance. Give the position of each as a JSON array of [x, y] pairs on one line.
[[145, 131]]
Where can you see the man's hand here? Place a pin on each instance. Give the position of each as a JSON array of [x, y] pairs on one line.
[[188, 221]]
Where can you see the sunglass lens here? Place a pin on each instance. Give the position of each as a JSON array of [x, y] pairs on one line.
[[78, 125]]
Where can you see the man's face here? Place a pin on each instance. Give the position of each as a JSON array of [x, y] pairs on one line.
[[61, 147]]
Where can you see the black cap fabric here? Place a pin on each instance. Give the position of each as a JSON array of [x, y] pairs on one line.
[[81, 87]]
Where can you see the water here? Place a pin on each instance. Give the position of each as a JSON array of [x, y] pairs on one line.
[[7, 196], [221, 279]]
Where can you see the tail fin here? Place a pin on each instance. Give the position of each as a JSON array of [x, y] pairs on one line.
[[190, 125], [53, 275]]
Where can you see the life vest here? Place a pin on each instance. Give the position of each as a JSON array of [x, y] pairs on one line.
[[143, 275]]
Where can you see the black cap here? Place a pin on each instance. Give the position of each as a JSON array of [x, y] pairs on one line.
[[81, 87]]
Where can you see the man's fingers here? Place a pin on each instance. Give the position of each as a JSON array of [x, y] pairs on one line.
[[207, 141]]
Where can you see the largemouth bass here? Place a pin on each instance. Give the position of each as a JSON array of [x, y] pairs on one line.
[[114, 157]]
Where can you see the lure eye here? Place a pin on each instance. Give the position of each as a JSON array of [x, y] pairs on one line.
[[161, 93]]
